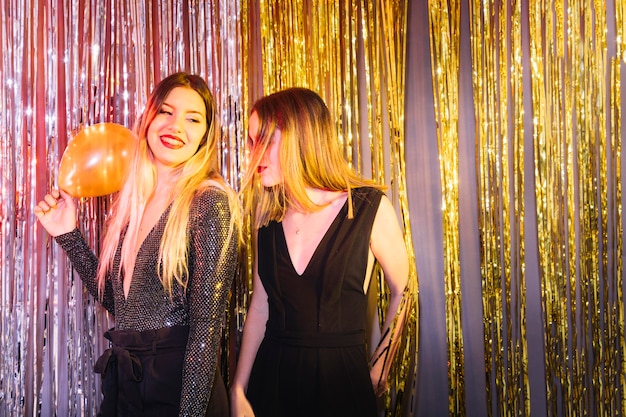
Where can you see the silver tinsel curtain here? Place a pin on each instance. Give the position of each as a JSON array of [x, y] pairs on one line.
[[65, 65]]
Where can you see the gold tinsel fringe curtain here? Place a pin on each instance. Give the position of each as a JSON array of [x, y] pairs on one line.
[[575, 120], [546, 90], [498, 94], [444, 19]]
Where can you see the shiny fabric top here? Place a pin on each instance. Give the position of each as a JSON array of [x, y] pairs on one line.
[[148, 306]]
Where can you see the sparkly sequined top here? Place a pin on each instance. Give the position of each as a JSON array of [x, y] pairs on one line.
[[147, 306]]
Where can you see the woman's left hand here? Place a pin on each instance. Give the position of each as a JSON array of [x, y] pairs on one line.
[[379, 383]]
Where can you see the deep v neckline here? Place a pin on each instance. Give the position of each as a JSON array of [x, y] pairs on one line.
[[140, 249], [317, 247]]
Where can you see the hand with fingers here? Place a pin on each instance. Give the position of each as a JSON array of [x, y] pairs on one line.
[[57, 213]]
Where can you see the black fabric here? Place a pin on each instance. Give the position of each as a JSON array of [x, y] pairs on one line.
[[142, 374], [312, 361], [201, 306]]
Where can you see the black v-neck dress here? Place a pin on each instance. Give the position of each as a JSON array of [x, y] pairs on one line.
[[313, 360]]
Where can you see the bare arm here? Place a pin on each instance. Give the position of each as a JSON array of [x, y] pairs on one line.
[[253, 333], [387, 245]]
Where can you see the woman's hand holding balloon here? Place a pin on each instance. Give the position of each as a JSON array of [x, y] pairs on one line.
[[57, 213], [92, 165]]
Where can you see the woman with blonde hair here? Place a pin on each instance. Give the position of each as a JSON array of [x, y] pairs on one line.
[[320, 229], [167, 260]]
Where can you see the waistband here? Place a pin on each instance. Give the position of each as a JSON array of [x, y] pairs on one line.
[[317, 340], [121, 365], [142, 341]]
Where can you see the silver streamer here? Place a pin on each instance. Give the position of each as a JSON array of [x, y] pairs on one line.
[[65, 65]]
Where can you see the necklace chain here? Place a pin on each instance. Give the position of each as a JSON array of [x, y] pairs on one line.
[[299, 226], [306, 216]]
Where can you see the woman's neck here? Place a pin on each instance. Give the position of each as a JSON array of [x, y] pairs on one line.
[[320, 198], [166, 179]]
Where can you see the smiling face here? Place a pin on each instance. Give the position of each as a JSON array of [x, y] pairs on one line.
[[177, 130], [268, 167]]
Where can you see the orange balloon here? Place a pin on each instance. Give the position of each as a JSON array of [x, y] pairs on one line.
[[95, 160]]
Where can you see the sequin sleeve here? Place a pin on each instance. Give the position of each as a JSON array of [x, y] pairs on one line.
[[85, 263], [211, 276]]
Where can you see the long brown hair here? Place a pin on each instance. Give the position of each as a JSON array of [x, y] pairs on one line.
[[310, 154], [141, 180]]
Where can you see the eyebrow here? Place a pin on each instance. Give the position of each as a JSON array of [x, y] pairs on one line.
[[191, 111]]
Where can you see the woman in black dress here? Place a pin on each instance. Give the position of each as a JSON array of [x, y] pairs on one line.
[[320, 230]]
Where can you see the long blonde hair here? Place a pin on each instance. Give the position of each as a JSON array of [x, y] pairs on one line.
[[310, 155], [140, 183]]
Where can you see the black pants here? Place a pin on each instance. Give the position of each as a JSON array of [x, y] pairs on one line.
[[142, 375]]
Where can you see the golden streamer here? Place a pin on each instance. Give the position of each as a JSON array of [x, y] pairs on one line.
[[578, 206], [393, 16], [501, 228], [554, 168], [444, 20], [350, 126], [615, 197], [615, 242], [615, 245], [544, 155], [520, 389], [608, 335], [316, 45], [373, 81], [574, 375], [620, 30], [591, 385]]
